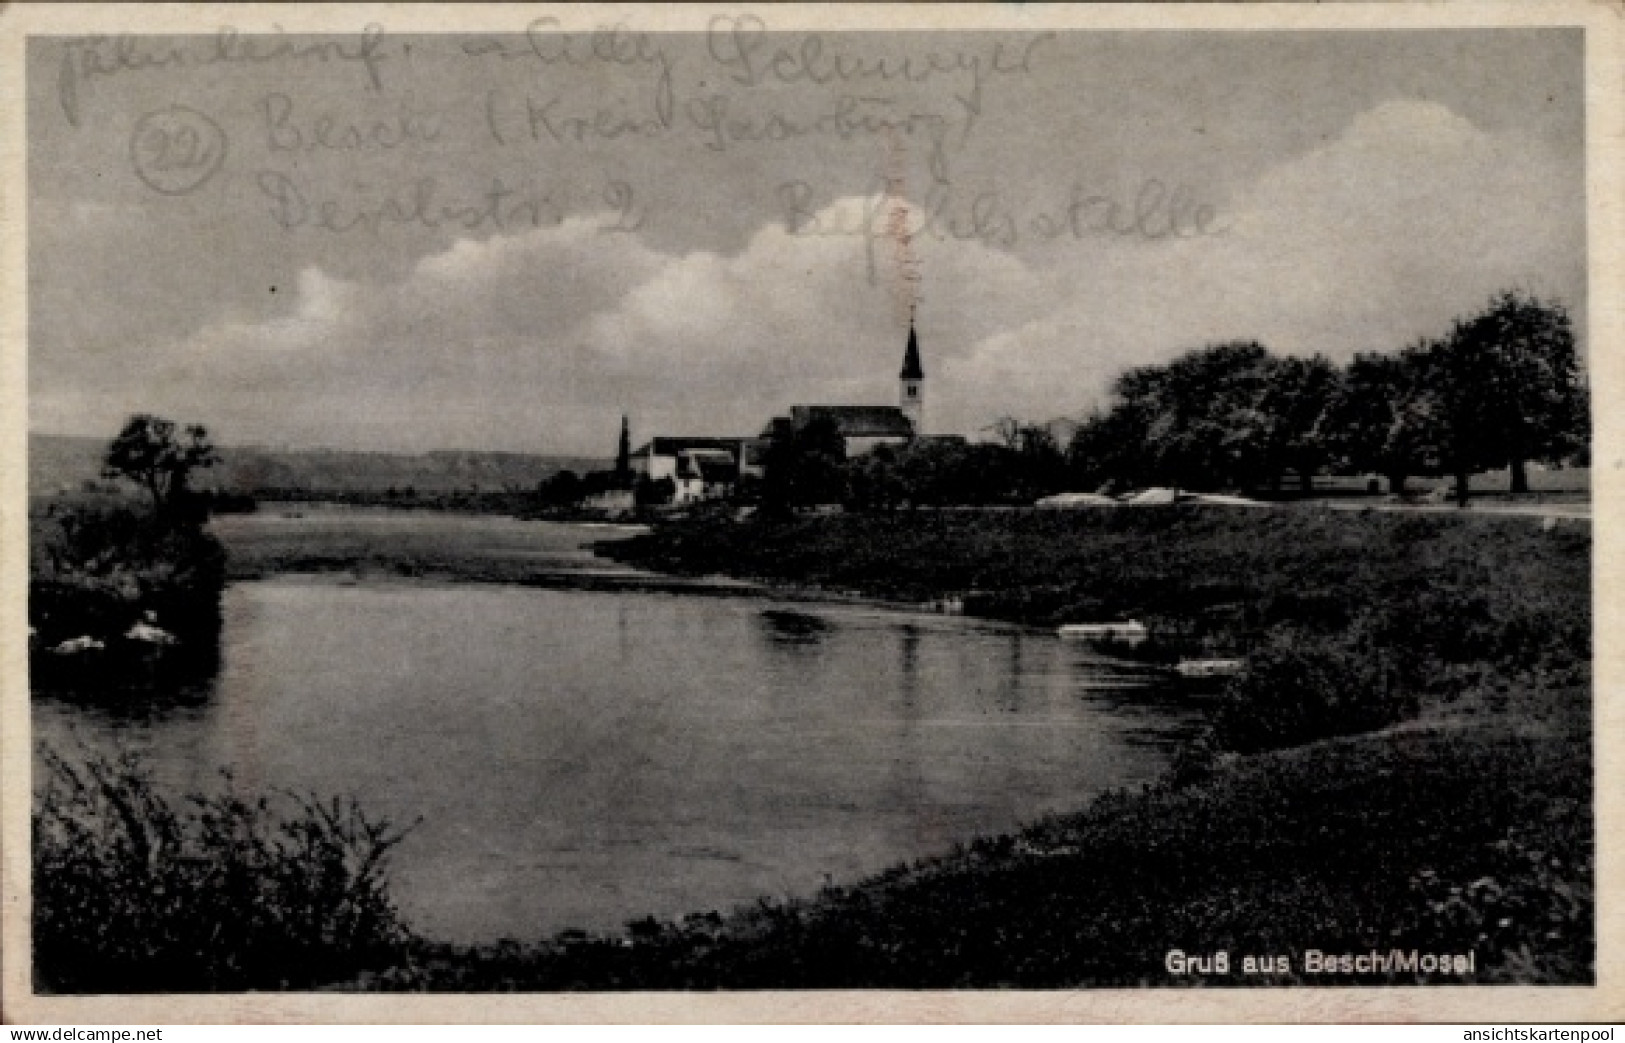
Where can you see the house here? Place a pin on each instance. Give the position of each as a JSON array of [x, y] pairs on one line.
[[700, 467], [705, 474]]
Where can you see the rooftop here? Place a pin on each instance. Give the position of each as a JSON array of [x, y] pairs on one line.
[[857, 421]]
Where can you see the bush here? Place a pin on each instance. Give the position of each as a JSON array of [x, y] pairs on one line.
[[132, 894], [1300, 687]]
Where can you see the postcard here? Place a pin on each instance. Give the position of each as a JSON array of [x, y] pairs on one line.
[[757, 513]]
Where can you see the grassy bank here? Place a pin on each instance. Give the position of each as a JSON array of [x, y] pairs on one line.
[[1242, 568]]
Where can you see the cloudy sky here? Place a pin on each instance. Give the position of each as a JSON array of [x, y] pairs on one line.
[[506, 242]]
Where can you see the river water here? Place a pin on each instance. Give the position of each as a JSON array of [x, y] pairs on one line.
[[581, 758]]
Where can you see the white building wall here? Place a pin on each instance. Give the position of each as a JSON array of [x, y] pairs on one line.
[[862, 446]]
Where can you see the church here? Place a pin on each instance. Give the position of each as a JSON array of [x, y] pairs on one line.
[[865, 428], [709, 466]]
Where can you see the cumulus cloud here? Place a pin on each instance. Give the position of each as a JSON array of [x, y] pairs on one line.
[[539, 341], [1411, 217]]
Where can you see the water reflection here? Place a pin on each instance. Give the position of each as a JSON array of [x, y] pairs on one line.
[[787, 627]]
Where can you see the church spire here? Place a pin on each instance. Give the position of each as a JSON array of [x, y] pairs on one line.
[[911, 395], [911, 356]]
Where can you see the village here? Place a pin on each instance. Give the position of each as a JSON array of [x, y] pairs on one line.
[[710, 467], [1227, 424]]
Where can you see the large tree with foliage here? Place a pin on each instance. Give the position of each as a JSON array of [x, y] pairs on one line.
[[1382, 418], [1197, 422], [150, 452], [804, 467], [1108, 449], [1515, 391], [1297, 401], [950, 472]]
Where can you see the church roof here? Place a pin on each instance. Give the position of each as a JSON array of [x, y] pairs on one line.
[[857, 421], [912, 370]]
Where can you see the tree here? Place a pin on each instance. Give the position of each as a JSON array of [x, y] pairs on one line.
[[561, 489], [1040, 463], [874, 481], [1007, 429], [149, 452], [1518, 387], [804, 466], [940, 473], [1381, 420], [1297, 402], [1108, 449], [653, 492], [1453, 405], [1197, 422]]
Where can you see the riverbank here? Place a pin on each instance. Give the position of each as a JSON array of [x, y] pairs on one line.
[[1453, 815], [1253, 567], [1407, 765], [1464, 836]]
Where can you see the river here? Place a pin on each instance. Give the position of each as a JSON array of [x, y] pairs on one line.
[[580, 758]]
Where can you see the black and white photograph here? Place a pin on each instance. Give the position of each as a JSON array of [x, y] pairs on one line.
[[994, 500]]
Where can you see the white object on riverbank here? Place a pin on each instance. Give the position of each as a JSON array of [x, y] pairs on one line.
[[1076, 500], [1129, 632], [149, 634], [1196, 669], [76, 645], [1221, 500]]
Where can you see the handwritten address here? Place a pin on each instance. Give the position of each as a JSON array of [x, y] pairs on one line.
[[548, 91]]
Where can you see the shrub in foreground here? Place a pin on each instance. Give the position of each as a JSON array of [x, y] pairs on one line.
[[225, 892], [1300, 687]]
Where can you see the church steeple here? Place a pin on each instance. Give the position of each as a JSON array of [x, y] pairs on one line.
[[623, 451], [912, 392]]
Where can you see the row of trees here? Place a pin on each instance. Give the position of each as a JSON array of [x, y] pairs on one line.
[[1501, 389], [809, 467]]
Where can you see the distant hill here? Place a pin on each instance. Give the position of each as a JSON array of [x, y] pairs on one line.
[[58, 462]]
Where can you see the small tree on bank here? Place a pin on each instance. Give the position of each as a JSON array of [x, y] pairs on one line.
[[149, 452]]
